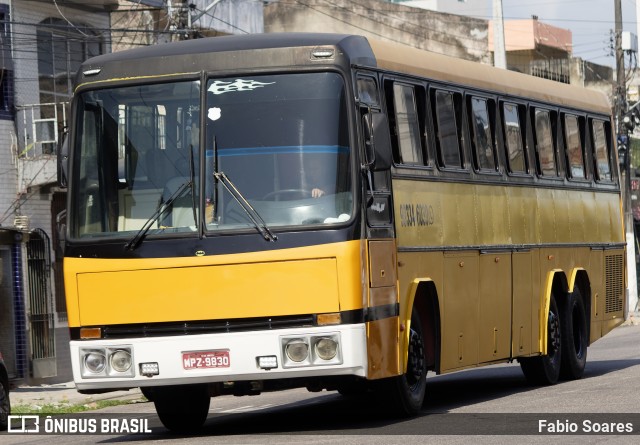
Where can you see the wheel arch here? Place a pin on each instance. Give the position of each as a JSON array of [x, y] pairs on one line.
[[557, 284], [580, 278], [423, 296]]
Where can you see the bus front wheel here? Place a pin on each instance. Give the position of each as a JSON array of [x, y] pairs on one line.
[[182, 408], [545, 369], [408, 390], [574, 337]]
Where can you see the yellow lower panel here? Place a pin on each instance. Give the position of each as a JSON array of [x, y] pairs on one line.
[[208, 292], [382, 348]]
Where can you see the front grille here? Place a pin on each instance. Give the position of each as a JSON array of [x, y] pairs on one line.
[[614, 271], [205, 326]]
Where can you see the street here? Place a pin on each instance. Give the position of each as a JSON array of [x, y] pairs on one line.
[[458, 405]]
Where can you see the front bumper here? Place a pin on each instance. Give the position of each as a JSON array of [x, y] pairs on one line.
[[244, 349]]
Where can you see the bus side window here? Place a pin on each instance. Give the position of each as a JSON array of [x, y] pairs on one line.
[[514, 138], [448, 123], [574, 146], [407, 125], [601, 150], [482, 134], [545, 144], [368, 91]]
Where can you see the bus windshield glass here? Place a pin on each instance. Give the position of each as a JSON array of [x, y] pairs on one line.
[[282, 139]]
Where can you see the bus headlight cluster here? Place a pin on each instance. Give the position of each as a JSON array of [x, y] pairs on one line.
[[311, 350], [115, 361]]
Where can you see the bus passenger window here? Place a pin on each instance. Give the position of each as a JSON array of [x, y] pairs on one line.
[[545, 148], [407, 125], [573, 147], [514, 140], [482, 135], [447, 130], [601, 150]]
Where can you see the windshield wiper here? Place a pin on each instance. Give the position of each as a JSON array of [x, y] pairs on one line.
[[134, 242], [253, 215]]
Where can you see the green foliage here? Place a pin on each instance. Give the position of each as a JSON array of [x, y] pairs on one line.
[[68, 408]]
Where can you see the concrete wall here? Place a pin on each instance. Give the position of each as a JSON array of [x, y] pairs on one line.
[[478, 8], [454, 35], [593, 76]]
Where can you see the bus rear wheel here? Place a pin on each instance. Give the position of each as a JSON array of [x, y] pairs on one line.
[[182, 408], [574, 336], [406, 392], [545, 369]]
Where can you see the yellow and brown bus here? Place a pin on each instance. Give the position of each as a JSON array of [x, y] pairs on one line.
[[262, 212]]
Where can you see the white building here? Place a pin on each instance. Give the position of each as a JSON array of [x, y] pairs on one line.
[[474, 8]]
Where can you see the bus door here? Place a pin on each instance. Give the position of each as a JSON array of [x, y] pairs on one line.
[[382, 303]]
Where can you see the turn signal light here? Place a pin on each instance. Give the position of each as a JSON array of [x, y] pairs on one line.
[[90, 333]]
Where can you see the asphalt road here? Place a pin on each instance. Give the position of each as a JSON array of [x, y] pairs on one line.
[[483, 405]]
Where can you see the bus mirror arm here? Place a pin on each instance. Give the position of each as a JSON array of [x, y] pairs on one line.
[[367, 171], [62, 153]]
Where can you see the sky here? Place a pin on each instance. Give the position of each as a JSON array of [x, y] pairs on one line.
[[590, 22]]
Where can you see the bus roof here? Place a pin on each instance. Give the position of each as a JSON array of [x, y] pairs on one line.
[[405, 59], [286, 49]]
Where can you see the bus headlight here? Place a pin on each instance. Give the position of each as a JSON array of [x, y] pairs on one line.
[[95, 362], [297, 350], [120, 361], [326, 348], [108, 361], [319, 349]]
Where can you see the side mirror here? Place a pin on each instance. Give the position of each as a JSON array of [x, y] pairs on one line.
[[377, 141], [63, 158], [61, 227]]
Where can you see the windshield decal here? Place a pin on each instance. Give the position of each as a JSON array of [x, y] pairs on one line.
[[214, 113], [221, 87]]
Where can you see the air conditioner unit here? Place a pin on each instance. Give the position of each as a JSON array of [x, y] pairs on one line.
[[21, 222]]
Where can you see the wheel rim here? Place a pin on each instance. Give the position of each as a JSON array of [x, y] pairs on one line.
[[553, 342], [415, 365]]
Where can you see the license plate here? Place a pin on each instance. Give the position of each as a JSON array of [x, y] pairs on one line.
[[206, 359]]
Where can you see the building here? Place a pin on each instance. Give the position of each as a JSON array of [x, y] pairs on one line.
[[477, 8], [454, 35], [42, 44], [150, 22]]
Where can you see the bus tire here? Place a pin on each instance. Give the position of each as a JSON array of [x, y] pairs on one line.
[[182, 408], [5, 404], [406, 392], [545, 369], [574, 337]]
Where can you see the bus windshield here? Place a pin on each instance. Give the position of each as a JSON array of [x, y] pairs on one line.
[[282, 139]]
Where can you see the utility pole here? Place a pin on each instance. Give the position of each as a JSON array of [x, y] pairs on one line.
[[625, 167], [179, 19], [621, 88], [499, 52]]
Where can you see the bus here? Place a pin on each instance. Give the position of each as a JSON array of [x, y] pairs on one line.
[[332, 212]]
